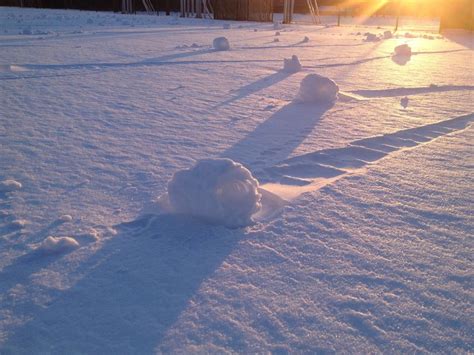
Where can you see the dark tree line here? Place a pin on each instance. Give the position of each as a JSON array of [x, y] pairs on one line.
[[102, 5], [115, 5]]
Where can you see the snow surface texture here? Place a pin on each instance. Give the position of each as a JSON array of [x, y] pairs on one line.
[[221, 44], [316, 88], [291, 65], [220, 191], [54, 245], [374, 257]]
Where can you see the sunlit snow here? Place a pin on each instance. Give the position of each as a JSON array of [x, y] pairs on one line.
[[131, 143]]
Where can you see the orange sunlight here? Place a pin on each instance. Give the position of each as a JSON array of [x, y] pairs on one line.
[[370, 8]]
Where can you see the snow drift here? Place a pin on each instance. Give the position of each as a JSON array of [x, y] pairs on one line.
[[317, 89], [54, 245], [221, 44], [291, 65], [220, 191]]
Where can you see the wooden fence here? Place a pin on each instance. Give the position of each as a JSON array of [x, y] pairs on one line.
[[244, 10]]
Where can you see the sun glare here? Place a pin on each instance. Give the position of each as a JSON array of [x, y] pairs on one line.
[[367, 9]]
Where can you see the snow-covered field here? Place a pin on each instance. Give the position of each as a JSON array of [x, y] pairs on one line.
[[364, 242]]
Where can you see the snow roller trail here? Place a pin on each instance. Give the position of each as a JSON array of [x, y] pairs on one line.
[[312, 171], [364, 95]]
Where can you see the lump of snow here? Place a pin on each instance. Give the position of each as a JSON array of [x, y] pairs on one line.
[[387, 34], [305, 39], [26, 31], [317, 89], [403, 50], [276, 40], [65, 218], [217, 190], [404, 102], [226, 26], [409, 35], [221, 44], [19, 223], [277, 33], [292, 65], [53, 245], [371, 37], [9, 185]]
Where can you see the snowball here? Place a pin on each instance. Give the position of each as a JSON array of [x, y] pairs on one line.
[[9, 185], [221, 44], [387, 34], [404, 102], [305, 39], [371, 37], [292, 65], [317, 88], [277, 33], [276, 40], [217, 190], [403, 50], [53, 245], [65, 218]]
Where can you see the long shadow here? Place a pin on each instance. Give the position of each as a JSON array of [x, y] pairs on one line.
[[440, 52], [276, 138], [131, 291], [22, 268], [127, 64], [302, 44], [412, 91], [98, 66], [256, 86], [330, 163], [465, 39], [162, 59], [356, 62], [110, 34], [27, 264]]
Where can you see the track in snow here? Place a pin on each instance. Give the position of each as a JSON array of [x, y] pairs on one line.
[[309, 172]]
